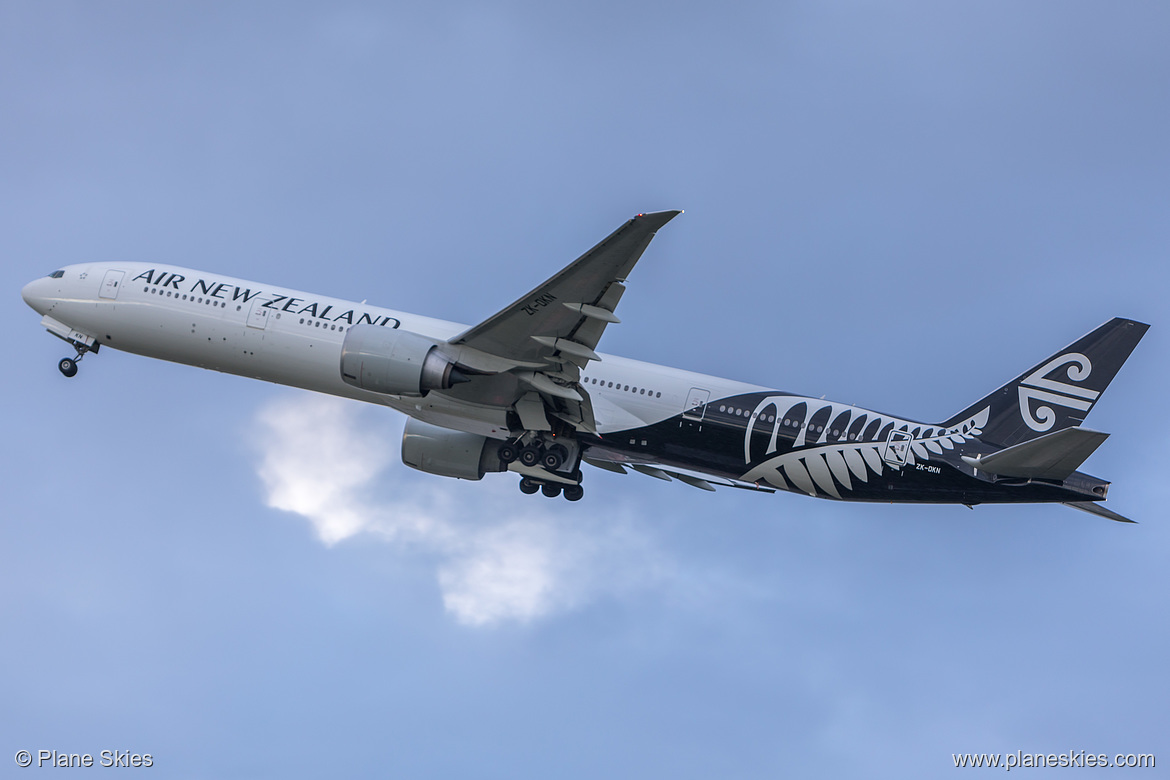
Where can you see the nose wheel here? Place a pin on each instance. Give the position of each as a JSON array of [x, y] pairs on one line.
[[68, 366]]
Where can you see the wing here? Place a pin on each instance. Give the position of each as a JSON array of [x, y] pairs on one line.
[[605, 461], [563, 318], [531, 352]]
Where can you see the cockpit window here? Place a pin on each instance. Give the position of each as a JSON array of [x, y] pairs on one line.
[[56, 274]]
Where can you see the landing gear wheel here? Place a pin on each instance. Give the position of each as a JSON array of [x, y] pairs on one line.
[[574, 492], [550, 489], [508, 453], [528, 486], [553, 457], [530, 456], [68, 366]]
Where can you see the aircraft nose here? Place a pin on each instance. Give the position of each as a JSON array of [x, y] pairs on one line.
[[36, 296]]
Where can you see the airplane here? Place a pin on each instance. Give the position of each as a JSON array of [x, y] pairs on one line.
[[524, 391]]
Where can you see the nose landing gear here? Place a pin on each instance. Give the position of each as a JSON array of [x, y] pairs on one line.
[[68, 366]]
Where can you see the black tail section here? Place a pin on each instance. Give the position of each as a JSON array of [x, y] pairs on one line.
[[1059, 392]]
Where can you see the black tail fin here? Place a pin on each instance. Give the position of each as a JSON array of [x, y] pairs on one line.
[[1059, 392]]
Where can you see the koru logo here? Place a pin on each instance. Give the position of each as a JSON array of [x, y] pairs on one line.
[[1035, 387]]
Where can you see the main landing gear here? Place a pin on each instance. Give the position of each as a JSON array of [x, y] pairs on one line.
[[538, 454], [528, 485], [534, 454]]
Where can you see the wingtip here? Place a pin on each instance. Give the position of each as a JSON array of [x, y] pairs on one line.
[[660, 218]]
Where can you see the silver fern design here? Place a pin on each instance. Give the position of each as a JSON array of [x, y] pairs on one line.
[[825, 458]]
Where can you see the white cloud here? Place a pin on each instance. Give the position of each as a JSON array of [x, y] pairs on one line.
[[316, 462], [502, 556], [506, 572]]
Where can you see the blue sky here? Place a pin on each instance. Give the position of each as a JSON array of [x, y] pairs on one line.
[[899, 205]]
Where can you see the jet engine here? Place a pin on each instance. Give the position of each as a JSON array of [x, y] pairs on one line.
[[395, 362], [449, 453]]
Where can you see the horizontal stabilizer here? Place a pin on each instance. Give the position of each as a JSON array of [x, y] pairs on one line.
[[1094, 508], [1052, 456]]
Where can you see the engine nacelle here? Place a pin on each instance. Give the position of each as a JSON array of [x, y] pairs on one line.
[[449, 453], [395, 362]]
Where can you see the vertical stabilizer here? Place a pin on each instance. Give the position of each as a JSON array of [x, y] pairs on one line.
[[1059, 392]]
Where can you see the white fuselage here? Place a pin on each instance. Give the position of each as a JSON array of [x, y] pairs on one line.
[[294, 338]]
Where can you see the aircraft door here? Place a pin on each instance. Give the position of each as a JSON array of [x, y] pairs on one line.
[[258, 315], [897, 448], [696, 405], [111, 283]]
